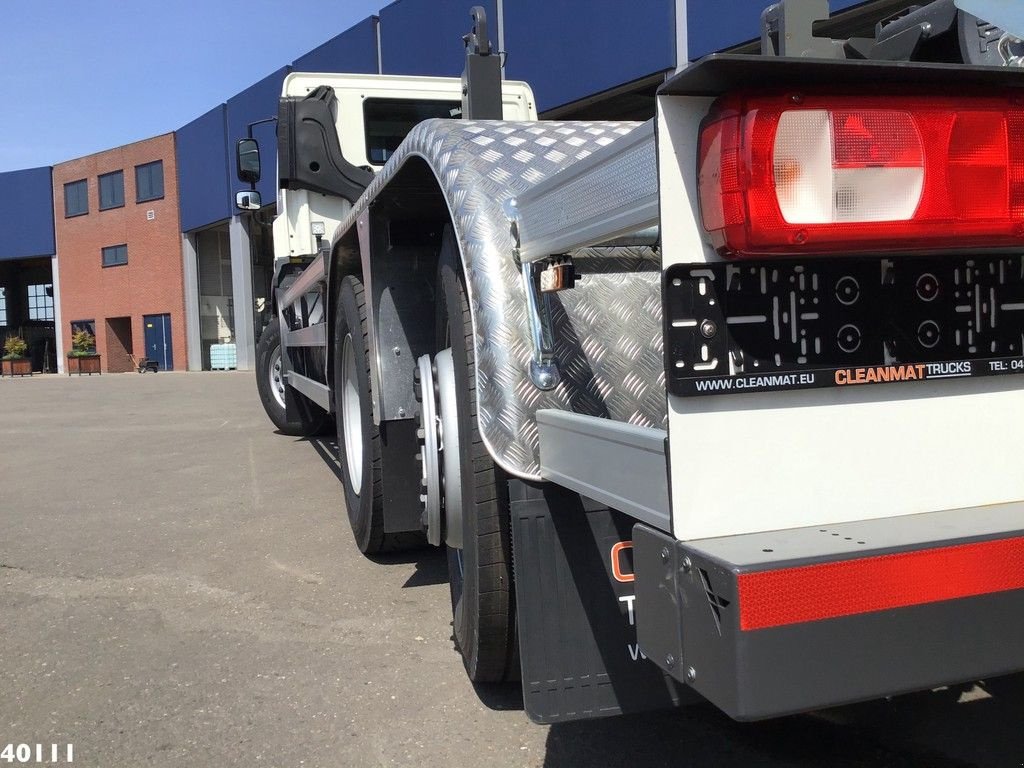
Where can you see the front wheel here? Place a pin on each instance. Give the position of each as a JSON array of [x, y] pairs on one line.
[[310, 419]]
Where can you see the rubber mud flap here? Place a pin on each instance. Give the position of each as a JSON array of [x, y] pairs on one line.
[[574, 592]]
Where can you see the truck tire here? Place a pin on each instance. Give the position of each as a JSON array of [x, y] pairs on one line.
[[311, 419], [359, 448], [480, 574]]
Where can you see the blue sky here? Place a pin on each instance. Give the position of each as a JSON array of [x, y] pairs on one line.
[[80, 76]]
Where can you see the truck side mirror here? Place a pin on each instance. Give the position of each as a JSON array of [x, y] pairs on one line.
[[249, 200], [247, 154]]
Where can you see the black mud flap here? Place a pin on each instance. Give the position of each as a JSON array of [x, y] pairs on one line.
[[574, 595]]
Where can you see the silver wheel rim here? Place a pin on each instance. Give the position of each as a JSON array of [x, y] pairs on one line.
[[451, 464], [277, 377], [351, 420]]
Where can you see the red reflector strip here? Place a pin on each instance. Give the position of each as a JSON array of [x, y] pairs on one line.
[[870, 584]]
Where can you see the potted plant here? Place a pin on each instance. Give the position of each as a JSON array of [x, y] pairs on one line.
[[83, 358], [15, 363]]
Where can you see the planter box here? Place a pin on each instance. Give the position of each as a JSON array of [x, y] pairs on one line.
[[21, 366], [89, 364]]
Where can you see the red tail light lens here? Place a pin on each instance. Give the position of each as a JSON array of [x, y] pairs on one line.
[[801, 175]]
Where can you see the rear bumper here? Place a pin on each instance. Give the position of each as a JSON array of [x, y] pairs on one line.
[[773, 623]]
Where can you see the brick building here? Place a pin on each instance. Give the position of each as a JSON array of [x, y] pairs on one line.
[[119, 248]]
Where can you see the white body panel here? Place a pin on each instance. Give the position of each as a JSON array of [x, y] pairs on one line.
[[746, 463], [292, 236], [760, 462]]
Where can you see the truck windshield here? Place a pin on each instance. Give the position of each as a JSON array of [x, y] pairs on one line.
[[388, 121]]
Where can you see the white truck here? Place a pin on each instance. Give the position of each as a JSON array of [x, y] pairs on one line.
[[725, 405]]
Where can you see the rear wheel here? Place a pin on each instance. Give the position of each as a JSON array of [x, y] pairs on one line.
[[480, 573], [359, 440], [310, 419]]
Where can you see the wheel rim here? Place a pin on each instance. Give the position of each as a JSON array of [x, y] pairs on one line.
[[276, 377], [351, 416]]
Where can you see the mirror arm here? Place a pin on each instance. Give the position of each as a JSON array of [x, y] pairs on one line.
[[248, 135]]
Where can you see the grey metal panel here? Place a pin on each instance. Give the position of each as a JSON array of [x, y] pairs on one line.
[[806, 664], [305, 282], [608, 328], [621, 465], [310, 336], [314, 390], [659, 629], [611, 193], [811, 665], [834, 542]]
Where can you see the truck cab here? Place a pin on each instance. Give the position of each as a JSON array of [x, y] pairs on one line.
[[363, 119]]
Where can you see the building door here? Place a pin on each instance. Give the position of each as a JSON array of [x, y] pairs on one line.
[[158, 340]]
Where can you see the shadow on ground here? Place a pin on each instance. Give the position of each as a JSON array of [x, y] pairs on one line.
[[431, 567], [327, 449], [928, 730]]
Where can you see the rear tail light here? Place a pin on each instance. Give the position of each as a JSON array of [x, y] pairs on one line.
[[798, 175]]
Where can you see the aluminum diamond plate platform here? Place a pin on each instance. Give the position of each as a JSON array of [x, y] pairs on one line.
[[608, 328]]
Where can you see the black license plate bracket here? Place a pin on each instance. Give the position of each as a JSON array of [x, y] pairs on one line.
[[740, 327]]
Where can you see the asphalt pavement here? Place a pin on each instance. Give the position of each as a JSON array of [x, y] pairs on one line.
[[179, 587]]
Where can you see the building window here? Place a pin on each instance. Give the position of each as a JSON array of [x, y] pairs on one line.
[[89, 326], [149, 181], [111, 190], [3, 307], [40, 302], [115, 255], [76, 198]]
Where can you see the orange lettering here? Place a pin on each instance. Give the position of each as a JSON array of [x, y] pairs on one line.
[[617, 572]]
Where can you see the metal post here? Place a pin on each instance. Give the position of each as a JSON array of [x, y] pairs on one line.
[[58, 322], [190, 280], [241, 293]]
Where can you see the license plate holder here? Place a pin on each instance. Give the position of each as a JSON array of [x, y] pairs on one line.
[[739, 327]]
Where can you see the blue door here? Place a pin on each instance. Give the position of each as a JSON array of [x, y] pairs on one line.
[[158, 340]]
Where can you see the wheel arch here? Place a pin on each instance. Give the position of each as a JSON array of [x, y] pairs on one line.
[[464, 173], [393, 247]]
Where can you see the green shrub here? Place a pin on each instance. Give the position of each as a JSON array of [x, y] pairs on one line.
[[15, 347], [82, 343]]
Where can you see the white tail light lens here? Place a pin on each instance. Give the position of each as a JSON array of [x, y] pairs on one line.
[[793, 175], [831, 167]]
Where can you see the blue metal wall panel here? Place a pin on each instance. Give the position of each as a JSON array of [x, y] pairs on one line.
[[717, 24], [26, 224], [202, 152], [256, 102], [354, 50], [572, 50], [422, 37]]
